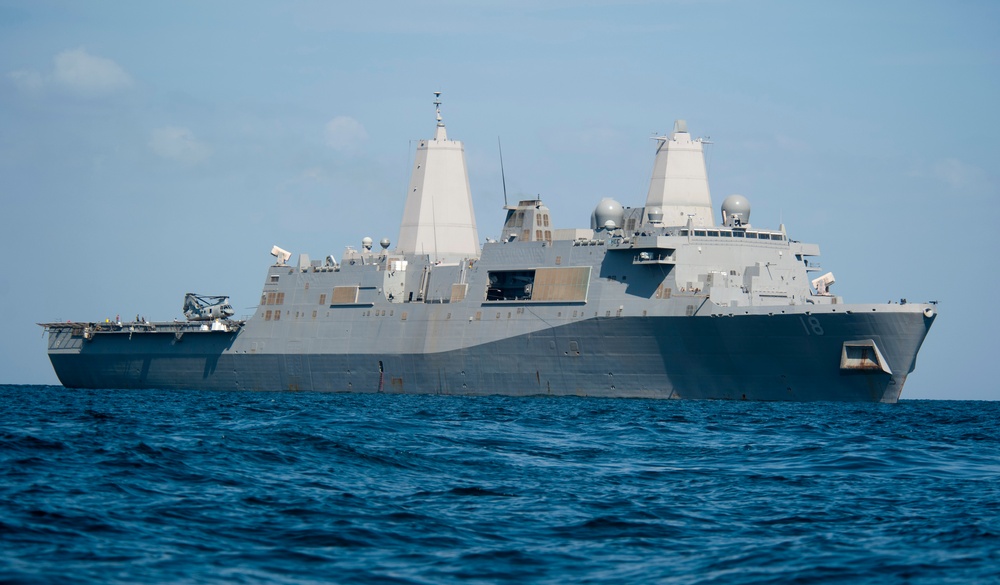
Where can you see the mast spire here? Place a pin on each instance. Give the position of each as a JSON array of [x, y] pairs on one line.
[[439, 133]]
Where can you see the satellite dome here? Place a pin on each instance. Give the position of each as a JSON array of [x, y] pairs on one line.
[[735, 211], [366, 243], [608, 214], [655, 214]]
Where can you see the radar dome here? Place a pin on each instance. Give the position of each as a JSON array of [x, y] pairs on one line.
[[655, 214], [366, 243], [608, 214], [384, 242], [735, 211]]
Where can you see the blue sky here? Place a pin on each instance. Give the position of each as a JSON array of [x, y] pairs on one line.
[[148, 150]]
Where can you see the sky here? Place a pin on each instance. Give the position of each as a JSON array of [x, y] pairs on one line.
[[150, 149]]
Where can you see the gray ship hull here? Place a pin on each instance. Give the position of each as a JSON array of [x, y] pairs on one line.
[[655, 301], [745, 357]]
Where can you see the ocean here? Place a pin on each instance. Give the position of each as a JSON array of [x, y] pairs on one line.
[[150, 486]]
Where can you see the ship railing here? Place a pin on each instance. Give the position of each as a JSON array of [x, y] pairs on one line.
[[79, 327]]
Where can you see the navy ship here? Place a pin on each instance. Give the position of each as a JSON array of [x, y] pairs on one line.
[[653, 301]]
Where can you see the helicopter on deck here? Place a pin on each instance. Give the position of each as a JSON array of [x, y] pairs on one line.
[[207, 308]]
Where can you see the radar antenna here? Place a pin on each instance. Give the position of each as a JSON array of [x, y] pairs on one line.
[[437, 107]]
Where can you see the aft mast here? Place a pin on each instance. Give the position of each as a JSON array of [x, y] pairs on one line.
[[679, 186]]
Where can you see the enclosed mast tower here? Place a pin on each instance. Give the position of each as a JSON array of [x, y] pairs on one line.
[[679, 187], [438, 219]]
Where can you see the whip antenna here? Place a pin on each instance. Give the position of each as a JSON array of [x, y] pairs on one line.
[[502, 177]]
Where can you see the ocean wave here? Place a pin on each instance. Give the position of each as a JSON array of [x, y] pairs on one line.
[[156, 486]]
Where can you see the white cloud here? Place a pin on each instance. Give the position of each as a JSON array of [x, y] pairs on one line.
[[313, 174], [77, 72], [786, 142], [345, 134], [179, 144], [86, 74], [957, 174], [583, 139], [27, 81]]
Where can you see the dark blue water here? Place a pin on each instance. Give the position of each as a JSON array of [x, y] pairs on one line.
[[233, 487]]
